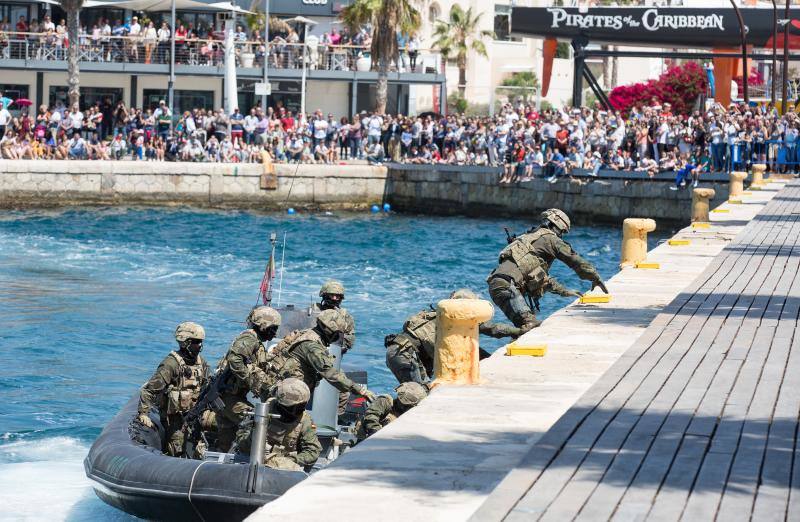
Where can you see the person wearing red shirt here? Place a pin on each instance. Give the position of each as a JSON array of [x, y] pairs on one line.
[[287, 121], [22, 25], [562, 139]]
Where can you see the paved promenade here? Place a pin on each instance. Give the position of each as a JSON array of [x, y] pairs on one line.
[[698, 419], [443, 459]]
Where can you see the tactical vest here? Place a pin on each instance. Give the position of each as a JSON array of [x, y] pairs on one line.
[[181, 396], [280, 363], [282, 437], [521, 253], [361, 430], [259, 359], [422, 326], [389, 418]]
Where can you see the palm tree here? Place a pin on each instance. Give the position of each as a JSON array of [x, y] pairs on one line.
[[73, 7], [387, 18], [457, 36]]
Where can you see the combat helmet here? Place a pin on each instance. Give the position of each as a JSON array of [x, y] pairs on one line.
[[557, 218], [332, 323], [291, 392], [189, 330], [410, 393], [463, 293], [332, 286], [264, 317]]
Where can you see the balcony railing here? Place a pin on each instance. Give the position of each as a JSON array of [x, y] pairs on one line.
[[208, 52]]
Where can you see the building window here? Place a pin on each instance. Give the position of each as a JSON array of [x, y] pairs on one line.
[[434, 12], [502, 24], [184, 100], [89, 95]]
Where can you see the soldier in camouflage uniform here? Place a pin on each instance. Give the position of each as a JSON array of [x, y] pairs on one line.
[[525, 265], [332, 294], [385, 409], [304, 354], [292, 442], [244, 371], [175, 386], [409, 354]]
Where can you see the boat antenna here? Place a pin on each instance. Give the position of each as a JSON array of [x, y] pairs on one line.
[[283, 259], [265, 289]]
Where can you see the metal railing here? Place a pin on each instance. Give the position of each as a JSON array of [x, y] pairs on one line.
[[207, 52]]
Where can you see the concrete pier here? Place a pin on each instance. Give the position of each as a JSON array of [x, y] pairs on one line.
[[445, 459]]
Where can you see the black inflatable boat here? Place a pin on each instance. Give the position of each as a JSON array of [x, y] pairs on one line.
[[129, 471]]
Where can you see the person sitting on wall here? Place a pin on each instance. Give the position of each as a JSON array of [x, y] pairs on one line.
[[76, 146]]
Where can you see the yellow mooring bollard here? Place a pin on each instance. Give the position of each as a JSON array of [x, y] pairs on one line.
[[455, 359], [758, 175], [700, 204], [736, 184], [634, 240]]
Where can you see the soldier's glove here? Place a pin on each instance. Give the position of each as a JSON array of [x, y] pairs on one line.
[[364, 392], [145, 421], [599, 282]]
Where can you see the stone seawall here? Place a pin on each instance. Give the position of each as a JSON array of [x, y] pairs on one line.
[[427, 189], [612, 197], [58, 183]]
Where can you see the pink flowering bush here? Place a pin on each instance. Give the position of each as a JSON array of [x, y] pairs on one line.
[[756, 79], [679, 86]]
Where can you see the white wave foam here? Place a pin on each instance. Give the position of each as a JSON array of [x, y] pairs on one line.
[[43, 479]]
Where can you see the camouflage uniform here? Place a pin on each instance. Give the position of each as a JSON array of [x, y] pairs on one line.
[[304, 355], [245, 365], [409, 354], [385, 410], [329, 288], [523, 269], [291, 443], [174, 388]]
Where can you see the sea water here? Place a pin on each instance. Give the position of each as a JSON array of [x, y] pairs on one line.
[[89, 301]]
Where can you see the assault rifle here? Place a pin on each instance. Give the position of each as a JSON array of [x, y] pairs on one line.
[[509, 236], [209, 399]]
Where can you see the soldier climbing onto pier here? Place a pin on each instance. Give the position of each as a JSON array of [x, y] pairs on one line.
[[524, 267], [409, 354], [386, 409]]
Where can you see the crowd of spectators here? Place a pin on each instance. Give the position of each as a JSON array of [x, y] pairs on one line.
[[525, 142], [145, 40]]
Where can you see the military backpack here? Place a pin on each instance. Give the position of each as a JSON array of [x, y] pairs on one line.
[[521, 253], [422, 326]]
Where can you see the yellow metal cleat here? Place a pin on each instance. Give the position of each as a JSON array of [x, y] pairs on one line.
[[747, 193], [735, 201], [595, 299], [648, 265], [679, 242], [701, 225], [532, 350], [721, 210]]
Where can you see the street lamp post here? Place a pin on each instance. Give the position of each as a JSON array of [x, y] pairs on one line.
[[774, 71], [266, 55], [785, 75], [171, 82], [745, 71]]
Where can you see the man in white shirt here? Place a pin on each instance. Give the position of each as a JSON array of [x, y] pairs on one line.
[[76, 118], [320, 129], [374, 125], [250, 123], [134, 32]]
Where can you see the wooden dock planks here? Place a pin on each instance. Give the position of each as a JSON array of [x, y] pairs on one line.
[[698, 420]]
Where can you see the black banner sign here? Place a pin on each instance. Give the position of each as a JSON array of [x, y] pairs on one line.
[[653, 26]]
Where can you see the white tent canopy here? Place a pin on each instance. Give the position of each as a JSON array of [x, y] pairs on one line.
[[162, 5], [231, 7]]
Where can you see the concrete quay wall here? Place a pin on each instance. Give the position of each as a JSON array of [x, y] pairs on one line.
[[611, 197], [59, 183]]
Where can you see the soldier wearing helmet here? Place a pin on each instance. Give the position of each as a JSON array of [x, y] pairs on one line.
[[386, 409], [244, 371], [175, 386], [524, 267], [409, 354], [332, 294], [304, 355], [292, 442]]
